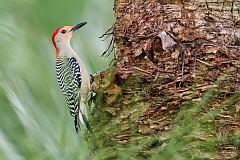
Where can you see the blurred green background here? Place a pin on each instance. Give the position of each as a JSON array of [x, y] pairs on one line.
[[34, 121]]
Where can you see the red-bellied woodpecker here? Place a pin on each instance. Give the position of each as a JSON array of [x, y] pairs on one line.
[[72, 75]]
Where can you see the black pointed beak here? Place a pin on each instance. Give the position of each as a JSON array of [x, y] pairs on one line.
[[76, 27]]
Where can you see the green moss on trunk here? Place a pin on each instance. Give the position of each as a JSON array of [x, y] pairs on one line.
[[174, 90]]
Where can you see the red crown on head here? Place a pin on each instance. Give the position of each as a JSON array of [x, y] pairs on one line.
[[53, 40]]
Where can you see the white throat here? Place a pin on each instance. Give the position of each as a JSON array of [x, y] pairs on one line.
[[66, 50]]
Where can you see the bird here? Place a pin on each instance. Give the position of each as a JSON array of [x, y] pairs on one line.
[[72, 75]]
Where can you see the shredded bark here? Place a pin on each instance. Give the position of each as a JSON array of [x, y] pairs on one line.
[[170, 53]]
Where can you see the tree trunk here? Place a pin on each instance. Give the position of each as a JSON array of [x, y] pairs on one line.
[[174, 91]]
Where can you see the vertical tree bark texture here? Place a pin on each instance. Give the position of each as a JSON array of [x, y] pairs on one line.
[[169, 53]]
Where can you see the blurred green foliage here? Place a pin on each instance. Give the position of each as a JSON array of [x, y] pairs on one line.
[[34, 120]]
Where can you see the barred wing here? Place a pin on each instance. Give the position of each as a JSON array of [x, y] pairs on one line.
[[69, 79]]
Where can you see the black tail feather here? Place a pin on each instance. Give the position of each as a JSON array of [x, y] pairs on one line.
[[76, 123]]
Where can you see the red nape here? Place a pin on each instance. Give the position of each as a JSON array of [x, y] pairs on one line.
[[54, 43]]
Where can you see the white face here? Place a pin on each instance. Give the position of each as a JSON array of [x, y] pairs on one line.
[[63, 36]]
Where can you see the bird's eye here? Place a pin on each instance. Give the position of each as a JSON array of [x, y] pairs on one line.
[[63, 31]]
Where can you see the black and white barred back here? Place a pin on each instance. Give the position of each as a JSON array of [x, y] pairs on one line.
[[69, 79]]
